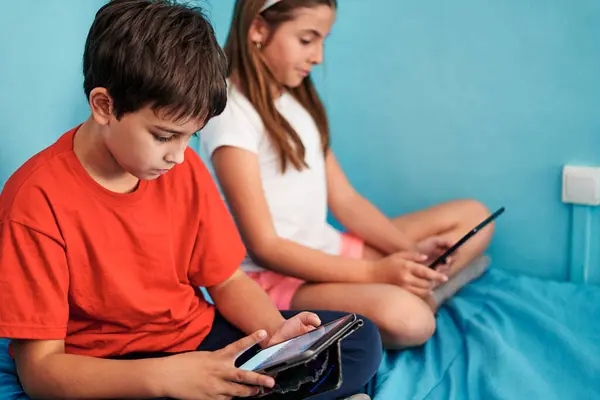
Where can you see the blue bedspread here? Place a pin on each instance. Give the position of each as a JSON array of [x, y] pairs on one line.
[[10, 389], [504, 336]]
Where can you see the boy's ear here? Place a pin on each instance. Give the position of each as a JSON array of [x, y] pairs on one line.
[[102, 105], [259, 31]]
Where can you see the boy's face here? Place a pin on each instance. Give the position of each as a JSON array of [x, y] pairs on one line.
[[297, 45], [147, 144]]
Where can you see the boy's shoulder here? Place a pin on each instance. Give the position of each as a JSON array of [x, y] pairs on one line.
[[192, 170], [29, 186], [190, 181], [51, 179]]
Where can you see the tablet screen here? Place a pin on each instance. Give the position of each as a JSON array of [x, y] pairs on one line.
[[284, 350]]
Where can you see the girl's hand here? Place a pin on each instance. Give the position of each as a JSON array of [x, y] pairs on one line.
[[405, 270], [433, 247]]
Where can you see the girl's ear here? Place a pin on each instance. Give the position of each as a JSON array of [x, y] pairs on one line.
[[259, 31]]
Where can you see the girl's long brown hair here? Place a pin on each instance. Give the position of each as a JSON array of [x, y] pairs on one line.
[[256, 82]]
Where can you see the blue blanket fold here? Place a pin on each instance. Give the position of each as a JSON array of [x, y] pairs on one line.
[[505, 336], [10, 389]]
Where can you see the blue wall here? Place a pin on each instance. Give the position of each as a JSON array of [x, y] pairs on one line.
[[429, 101], [41, 83]]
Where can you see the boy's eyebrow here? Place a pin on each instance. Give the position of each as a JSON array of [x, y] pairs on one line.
[[170, 130]]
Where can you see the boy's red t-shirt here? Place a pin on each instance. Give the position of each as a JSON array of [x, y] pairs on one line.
[[111, 273]]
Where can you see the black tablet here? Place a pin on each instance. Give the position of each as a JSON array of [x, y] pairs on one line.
[[301, 349], [442, 258]]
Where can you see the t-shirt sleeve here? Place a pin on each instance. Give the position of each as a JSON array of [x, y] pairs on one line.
[[34, 284], [238, 126], [219, 250]]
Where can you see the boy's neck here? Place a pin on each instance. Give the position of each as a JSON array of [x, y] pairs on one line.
[[97, 160]]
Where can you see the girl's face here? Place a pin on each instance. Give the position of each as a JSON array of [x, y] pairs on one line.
[[296, 45]]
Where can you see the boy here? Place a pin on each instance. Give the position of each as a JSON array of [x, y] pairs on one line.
[[106, 235]]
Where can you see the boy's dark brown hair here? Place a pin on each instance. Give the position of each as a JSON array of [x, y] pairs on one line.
[[156, 53], [256, 82]]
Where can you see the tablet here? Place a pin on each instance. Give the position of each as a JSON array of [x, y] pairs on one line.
[[300, 348], [442, 258]]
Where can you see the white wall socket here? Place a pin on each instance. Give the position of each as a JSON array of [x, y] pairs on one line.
[[581, 185]]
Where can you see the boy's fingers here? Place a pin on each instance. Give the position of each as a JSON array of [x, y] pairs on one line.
[[237, 348], [232, 390], [309, 319], [249, 378]]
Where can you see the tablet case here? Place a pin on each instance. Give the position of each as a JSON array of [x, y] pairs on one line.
[[322, 373]]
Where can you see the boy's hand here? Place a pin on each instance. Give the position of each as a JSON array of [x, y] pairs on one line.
[[297, 325], [212, 375], [405, 270]]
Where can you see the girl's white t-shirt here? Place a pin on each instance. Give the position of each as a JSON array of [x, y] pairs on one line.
[[297, 200]]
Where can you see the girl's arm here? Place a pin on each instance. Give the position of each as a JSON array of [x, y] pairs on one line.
[[239, 175], [358, 215]]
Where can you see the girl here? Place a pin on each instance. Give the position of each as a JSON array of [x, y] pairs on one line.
[[271, 154]]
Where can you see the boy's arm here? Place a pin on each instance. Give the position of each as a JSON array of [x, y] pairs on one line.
[[256, 311], [46, 371], [360, 216]]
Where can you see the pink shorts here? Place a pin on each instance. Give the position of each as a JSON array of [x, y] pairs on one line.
[[281, 288]]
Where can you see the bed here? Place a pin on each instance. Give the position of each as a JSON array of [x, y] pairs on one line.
[[505, 336]]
